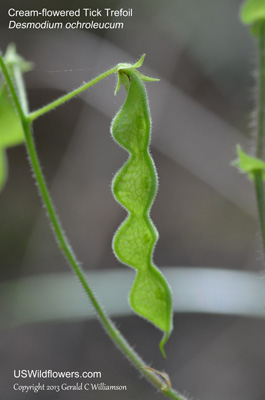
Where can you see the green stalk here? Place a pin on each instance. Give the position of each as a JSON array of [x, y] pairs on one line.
[[63, 244], [261, 92], [259, 188], [61, 100]]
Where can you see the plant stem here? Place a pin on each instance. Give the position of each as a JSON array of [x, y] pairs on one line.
[[20, 88], [43, 110], [258, 179], [261, 92], [63, 244]]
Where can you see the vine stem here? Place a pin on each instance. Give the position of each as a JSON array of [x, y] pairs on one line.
[[258, 179], [26, 119]]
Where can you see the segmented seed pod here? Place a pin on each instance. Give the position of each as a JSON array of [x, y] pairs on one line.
[[135, 187]]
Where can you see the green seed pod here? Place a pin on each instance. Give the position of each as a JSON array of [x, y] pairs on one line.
[[135, 187]]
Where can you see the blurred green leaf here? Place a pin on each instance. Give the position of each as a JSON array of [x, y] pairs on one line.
[[11, 132], [253, 11], [13, 60]]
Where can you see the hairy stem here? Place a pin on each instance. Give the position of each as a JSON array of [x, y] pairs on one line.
[[259, 189], [63, 244], [43, 110]]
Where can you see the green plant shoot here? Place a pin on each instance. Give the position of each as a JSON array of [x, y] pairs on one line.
[[135, 187], [248, 164], [253, 11], [11, 132]]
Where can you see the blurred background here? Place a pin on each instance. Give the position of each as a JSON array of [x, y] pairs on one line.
[[205, 210]]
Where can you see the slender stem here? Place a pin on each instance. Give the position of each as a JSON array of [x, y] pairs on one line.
[[259, 189], [43, 110], [258, 181], [261, 92], [63, 244], [20, 88]]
